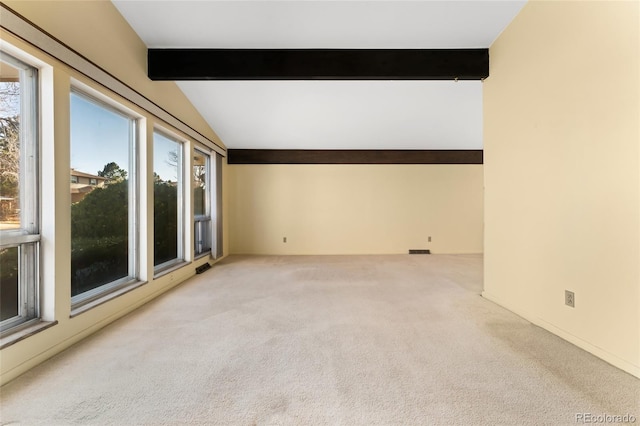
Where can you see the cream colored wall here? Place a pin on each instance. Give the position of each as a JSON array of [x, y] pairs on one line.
[[96, 30], [562, 173], [355, 209], [55, 246]]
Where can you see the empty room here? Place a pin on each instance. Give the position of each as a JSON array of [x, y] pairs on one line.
[[319, 212]]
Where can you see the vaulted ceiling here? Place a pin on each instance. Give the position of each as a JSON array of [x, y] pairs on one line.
[[316, 114]]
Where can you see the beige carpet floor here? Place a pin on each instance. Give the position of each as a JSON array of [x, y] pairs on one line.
[[322, 340]]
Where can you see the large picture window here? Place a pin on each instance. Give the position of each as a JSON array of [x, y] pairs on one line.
[[168, 204], [19, 193], [104, 207]]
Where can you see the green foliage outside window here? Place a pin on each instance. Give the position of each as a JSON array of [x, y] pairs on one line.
[[165, 197], [99, 244], [9, 280], [99, 227]]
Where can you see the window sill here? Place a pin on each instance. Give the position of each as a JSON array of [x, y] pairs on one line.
[[77, 310], [173, 267], [202, 255], [23, 332]]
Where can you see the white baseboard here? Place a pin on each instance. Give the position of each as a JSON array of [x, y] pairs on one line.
[[612, 359]]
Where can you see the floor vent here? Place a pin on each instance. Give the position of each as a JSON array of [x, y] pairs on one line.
[[200, 269], [419, 251]]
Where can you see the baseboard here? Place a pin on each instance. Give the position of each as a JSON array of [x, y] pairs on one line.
[[606, 356]]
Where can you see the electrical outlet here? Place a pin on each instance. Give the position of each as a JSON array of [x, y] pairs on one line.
[[284, 239], [569, 298], [429, 239]]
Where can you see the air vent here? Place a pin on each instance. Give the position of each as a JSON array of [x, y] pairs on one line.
[[419, 251], [200, 269]]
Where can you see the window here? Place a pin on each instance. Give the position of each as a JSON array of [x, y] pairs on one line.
[[207, 205], [103, 218], [19, 194], [202, 202], [74, 179], [218, 208], [93, 181], [167, 201]]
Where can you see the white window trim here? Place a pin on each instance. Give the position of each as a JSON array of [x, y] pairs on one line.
[[207, 217], [138, 143], [217, 245], [27, 238], [183, 198]]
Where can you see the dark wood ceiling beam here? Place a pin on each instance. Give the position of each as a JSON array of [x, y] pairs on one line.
[[353, 156], [318, 64]]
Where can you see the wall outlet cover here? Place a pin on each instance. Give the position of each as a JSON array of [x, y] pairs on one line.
[[569, 298]]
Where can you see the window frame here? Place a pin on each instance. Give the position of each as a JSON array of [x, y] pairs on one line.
[[217, 241], [200, 221], [136, 126], [27, 237], [181, 200]]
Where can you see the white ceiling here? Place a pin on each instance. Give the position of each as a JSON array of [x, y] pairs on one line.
[[330, 114]]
